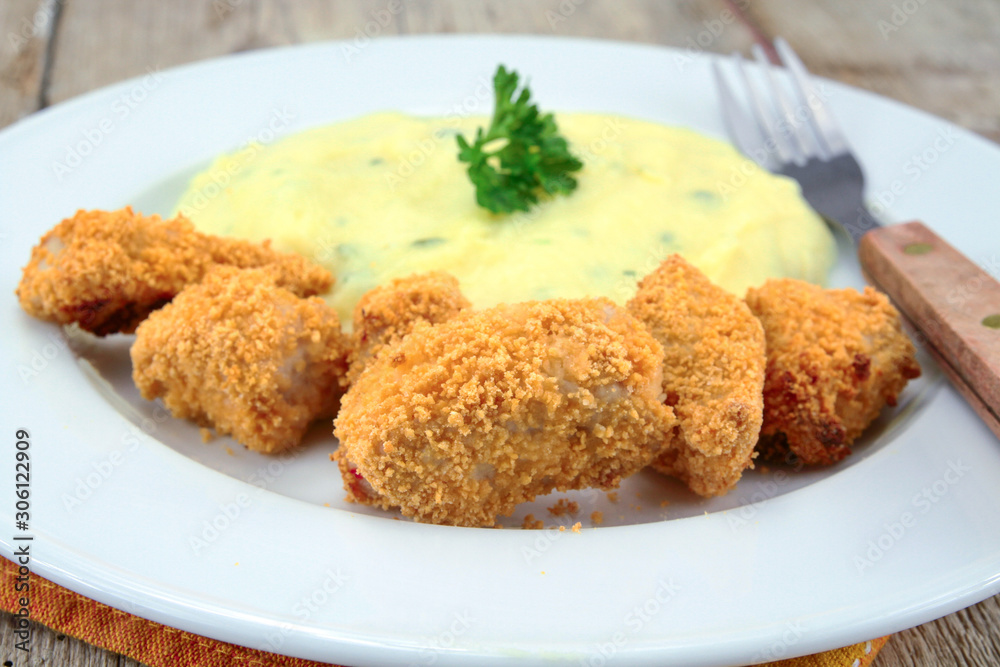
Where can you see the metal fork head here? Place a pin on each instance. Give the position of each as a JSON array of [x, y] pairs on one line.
[[798, 140], [781, 131]]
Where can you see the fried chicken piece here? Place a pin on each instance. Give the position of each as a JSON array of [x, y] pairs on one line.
[[461, 421], [389, 312], [713, 374], [107, 270], [834, 359], [241, 354]]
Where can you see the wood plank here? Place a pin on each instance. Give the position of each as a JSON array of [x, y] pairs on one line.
[[967, 638], [358, 20], [27, 24], [154, 35], [941, 57], [674, 24], [161, 35], [50, 648]]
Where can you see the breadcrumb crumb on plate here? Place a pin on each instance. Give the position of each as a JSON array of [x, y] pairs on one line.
[[564, 506]]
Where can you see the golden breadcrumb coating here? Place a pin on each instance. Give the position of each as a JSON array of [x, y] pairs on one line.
[[713, 374], [459, 422], [834, 358], [107, 270], [241, 354], [389, 312]]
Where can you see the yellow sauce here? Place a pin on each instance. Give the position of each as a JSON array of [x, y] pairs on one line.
[[384, 196]]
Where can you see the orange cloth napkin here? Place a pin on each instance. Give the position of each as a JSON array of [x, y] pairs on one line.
[[158, 645]]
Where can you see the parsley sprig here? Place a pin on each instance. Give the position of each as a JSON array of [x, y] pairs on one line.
[[521, 153]]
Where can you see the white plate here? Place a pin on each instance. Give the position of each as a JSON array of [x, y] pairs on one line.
[[904, 531]]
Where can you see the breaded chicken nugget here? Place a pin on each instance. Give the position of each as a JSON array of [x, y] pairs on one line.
[[461, 421], [389, 312], [834, 359], [713, 374], [106, 271], [241, 354]]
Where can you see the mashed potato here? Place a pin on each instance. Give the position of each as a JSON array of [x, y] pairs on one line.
[[385, 196]]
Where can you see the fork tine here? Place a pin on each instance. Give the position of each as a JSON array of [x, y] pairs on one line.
[[827, 132], [802, 148], [762, 116], [745, 133]]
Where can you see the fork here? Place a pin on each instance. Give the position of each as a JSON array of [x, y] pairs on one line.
[[952, 303]]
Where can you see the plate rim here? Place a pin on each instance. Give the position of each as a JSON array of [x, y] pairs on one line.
[[26, 125]]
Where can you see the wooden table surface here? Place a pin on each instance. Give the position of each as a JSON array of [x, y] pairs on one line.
[[943, 57]]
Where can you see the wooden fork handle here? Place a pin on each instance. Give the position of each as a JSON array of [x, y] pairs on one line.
[[953, 303]]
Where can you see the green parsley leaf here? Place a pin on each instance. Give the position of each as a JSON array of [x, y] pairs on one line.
[[520, 155]]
